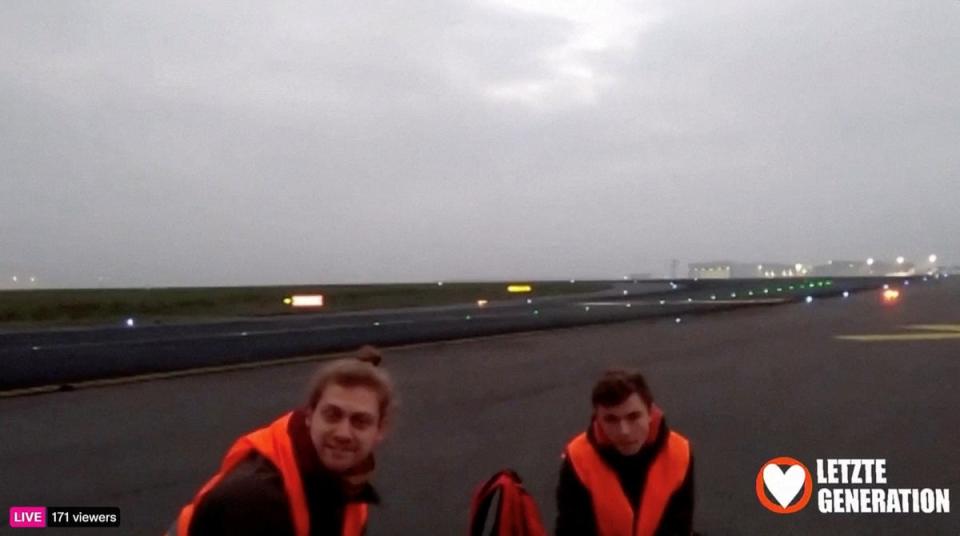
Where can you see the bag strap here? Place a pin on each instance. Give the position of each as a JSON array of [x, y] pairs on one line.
[[484, 497]]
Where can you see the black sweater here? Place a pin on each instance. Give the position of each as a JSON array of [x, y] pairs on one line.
[[575, 515]]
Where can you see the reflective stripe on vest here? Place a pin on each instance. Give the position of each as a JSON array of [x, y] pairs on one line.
[[612, 510], [273, 443]]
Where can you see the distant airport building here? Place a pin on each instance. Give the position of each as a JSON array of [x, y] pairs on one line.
[[867, 268], [741, 270]]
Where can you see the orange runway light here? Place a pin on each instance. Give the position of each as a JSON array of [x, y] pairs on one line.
[[891, 295], [481, 303]]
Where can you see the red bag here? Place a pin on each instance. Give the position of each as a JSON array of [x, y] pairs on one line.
[[516, 512]]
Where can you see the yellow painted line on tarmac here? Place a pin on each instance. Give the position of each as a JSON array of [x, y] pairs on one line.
[[935, 332], [935, 327], [904, 337]]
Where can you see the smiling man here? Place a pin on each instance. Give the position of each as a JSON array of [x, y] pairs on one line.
[[307, 473], [628, 473]]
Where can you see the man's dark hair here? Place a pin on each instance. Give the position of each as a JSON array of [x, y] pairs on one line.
[[616, 385]]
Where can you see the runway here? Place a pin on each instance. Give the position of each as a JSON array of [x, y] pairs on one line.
[[48, 358], [744, 386]]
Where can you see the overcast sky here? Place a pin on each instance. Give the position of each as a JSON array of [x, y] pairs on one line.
[[195, 143]]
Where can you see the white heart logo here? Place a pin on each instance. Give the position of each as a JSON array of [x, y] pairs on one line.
[[784, 486]]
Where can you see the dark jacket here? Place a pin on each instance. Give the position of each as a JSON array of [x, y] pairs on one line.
[[251, 501], [574, 507]]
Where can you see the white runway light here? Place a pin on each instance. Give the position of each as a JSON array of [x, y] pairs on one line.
[[809, 299], [846, 294], [677, 320], [130, 323], [305, 300]]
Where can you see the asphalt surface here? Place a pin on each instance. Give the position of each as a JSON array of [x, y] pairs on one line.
[[40, 357], [55, 357], [744, 386]]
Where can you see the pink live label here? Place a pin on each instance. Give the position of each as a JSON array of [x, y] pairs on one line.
[[28, 517]]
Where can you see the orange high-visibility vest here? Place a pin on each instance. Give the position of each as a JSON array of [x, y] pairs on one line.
[[614, 514], [273, 443]]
